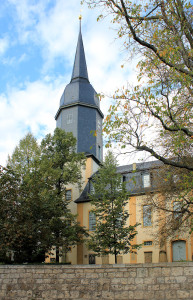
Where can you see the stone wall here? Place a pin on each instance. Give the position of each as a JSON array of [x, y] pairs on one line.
[[140, 281]]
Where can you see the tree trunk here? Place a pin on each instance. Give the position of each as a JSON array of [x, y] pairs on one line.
[[115, 256], [57, 254]]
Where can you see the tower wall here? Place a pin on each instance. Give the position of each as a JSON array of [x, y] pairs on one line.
[[68, 120]]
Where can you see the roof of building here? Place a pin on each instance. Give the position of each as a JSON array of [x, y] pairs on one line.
[[80, 67], [133, 176], [139, 166], [79, 91]]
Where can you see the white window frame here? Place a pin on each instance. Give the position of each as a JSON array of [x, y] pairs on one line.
[[146, 178]]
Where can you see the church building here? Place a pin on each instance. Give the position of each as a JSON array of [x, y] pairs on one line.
[[79, 112]]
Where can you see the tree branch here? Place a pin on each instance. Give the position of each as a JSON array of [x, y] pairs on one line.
[[164, 160]]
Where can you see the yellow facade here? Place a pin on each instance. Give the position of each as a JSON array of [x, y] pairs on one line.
[[147, 236]]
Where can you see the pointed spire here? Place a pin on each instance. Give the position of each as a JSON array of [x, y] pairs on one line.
[[80, 67]]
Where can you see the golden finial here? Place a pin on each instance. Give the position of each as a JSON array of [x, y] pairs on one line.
[[80, 18]]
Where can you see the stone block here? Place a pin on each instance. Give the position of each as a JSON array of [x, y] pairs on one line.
[[158, 295], [154, 272], [130, 280], [119, 280], [177, 271], [160, 279], [107, 295], [130, 287], [191, 294], [149, 280], [188, 270], [116, 287], [61, 295], [104, 287], [139, 280], [130, 274], [164, 286], [50, 294], [143, 295], [170, 279], [121, 295], [170, 294], [166, 271], [142, 272], [183, 294], [92, 275], [181, 279], [74, 294], [187, 286], [174, 286], [118, 274], [153, 287]]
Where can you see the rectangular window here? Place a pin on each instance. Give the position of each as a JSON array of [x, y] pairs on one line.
[[148, 243], [69, 118], [92, 190], [147, 215], [146, 180], [177, 206], [92, 221], [119, 222], [69, 195]]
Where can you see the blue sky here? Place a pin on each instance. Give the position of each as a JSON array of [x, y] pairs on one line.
[[37, 48]]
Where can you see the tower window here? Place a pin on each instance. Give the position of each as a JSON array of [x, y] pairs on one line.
[[69, 118], [99, 152]]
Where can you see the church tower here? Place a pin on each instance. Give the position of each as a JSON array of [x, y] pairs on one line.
[[79, 110]]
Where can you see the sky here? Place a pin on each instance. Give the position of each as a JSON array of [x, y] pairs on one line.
[[37, 48]]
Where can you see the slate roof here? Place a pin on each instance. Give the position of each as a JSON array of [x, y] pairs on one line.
[[139, 166], [79, 91], [80, 67], [133, 180]]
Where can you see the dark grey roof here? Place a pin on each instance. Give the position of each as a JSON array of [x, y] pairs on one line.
[[80, 68], [139, 166], [79, 91], [134, 183], [84, 196]]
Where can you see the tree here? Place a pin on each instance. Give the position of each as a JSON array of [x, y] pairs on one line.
[[173, 202], [33, 206], [109, 200], [61, 165], [156, 115], [161, 107]]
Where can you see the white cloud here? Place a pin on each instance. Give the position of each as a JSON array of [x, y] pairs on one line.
[[55, 32], [4, 45], [30, 109]]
